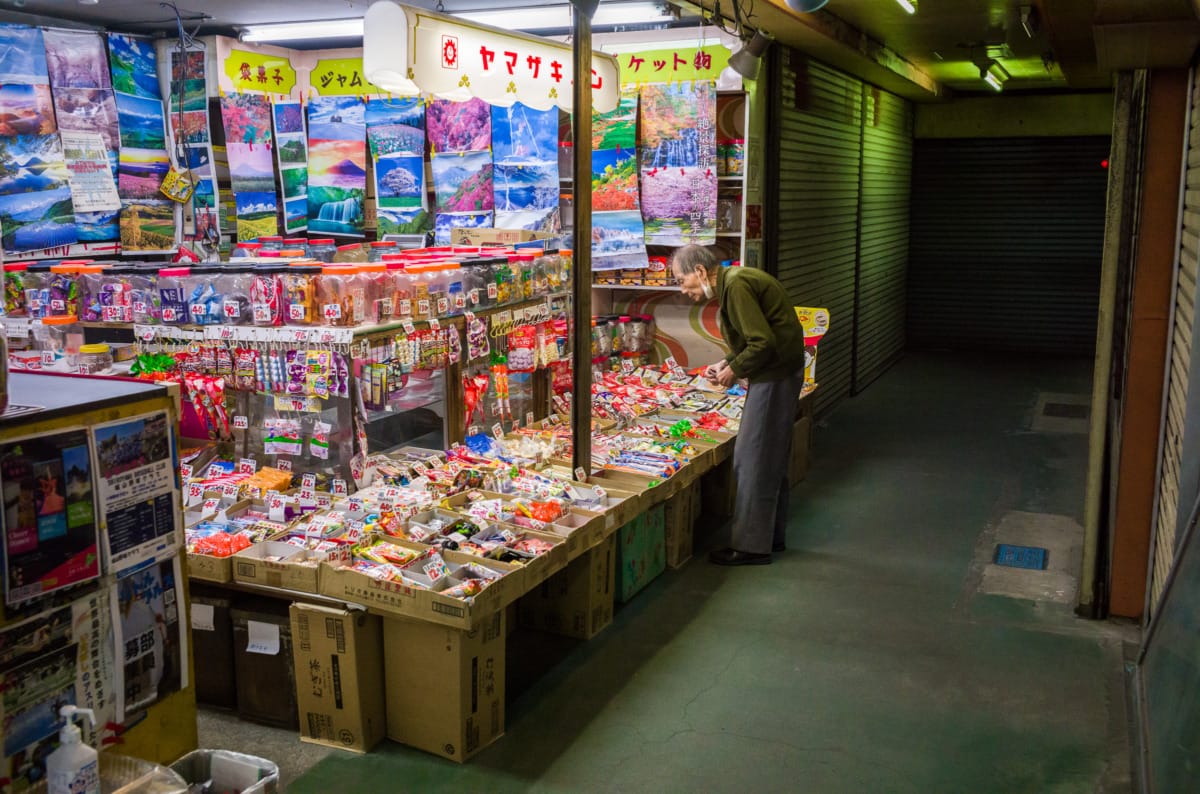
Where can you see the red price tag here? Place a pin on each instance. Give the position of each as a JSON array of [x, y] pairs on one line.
[[262, 313], [354, 532], [339, 488], [309, 480], [195, 492], [232, 310], [295, 311], [408, 327], [332, 311], [169, 314], [434, 324], [185, 470], [580, 474], [498, 431], [230, 490], [209, 508], [247, 466], [529, 418], [324, 500], [356, 506]]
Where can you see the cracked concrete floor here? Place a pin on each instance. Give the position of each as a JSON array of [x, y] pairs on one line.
[[864, 659]]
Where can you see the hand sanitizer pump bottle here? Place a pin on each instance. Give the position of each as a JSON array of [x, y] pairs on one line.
[[74, 767]]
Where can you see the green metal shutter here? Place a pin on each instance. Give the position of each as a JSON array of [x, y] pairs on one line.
[[1007, 235], [1167, 509], [820, 116], [887, 144]]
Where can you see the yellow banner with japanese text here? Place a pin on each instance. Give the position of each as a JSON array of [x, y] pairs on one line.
[[341, 77], [259, 72], [673, 65]]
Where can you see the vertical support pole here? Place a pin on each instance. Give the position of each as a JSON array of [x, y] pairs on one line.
[[581, 287]]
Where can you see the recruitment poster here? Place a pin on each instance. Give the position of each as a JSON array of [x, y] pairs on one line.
[[62, 656], [137, 490], [150, 641], [50, 527]]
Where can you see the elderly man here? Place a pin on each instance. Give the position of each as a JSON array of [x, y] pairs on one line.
[[766, 347]]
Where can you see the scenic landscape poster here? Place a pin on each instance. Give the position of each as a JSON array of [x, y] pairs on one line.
[[459, 220], [463, 182], [140, 172], [458, 126], [291, 152], [148, 225], [26, 107], [525, 182], [134, 65], [256, 215], [22, 55], [76, 59], [677, 157], [617, 129], [188, 120], [337, 165], [396, 137], [36, 210], [618, 234]]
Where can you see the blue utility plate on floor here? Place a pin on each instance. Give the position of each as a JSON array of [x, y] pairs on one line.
[[1030, 557]]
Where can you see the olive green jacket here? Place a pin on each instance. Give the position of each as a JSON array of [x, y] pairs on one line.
[[759, 324]]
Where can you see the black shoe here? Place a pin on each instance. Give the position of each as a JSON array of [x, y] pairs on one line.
[[778, 547], [735, 557]]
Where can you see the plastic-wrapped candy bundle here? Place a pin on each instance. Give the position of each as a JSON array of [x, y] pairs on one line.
[[204, 301], [173, 295], [14, 288], [266, 295], [62, 290]]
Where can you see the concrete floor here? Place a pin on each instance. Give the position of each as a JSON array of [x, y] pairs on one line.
[[865, 659]]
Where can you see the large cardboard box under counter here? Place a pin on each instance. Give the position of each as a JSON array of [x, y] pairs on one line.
[[464, 236], [641, 551], [339, 676], [577, 601], [275, 564], [445, 686], [406, 600]]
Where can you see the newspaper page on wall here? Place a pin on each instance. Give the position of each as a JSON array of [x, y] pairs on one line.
[[138, 509], [61, 656], [151, 639]]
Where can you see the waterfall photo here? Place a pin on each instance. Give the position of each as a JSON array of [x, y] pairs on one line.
[[337, 165], [677, 155]]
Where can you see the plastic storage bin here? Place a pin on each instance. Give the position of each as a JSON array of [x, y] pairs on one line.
[[58, 339], [227, 771], [173, 295]]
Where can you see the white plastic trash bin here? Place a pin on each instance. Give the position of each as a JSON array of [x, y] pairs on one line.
[[229, 772]]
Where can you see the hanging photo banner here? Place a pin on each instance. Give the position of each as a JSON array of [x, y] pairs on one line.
[[84, 103], [248, 124], [151, 639], [63, 655], [678, 163], [396, 134], [460, 139], [407, 50], [189, 124], [51, 536], [525, 168], [143, 160], [291, 154], [674, 65], [36, 211], [25, 104], [337, 165], [618, 236]]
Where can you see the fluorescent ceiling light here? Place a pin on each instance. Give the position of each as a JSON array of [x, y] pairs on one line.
[[908, 5], [994, 75], [292, 31], [557, 17], [991, 80]]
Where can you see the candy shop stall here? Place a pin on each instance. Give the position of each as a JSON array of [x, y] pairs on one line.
[[334, 338]]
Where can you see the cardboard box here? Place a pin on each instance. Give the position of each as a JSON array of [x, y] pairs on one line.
[[641, 552], [462, 236], [210, 569], [339, 676], [445, 686], [397, 599], [581, 529], [294, 572], [263, 663], [577, 601], [679, 518], [719, 493], [212, 641]]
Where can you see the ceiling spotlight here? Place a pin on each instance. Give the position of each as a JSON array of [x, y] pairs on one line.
[[745, 61], [992, 73], [908, 5], [89, 2]]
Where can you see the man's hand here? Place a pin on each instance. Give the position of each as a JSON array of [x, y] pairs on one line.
[[713, 371], [726, 377]]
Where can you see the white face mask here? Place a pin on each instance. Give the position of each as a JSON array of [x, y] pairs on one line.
[[708, 290]]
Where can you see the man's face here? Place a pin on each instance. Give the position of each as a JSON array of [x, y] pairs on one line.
[[692, 285]]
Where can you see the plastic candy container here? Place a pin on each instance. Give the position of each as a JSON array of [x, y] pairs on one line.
[[143, 296], [418, 277], [14, 288], [378, 249], [296, 244], [341, 295], [300, 294], [59, 338], [507, 287], [272, 243], [322, 249], [397, 284], [377, 292], [107, 295], [246, 250], [233, 287], [439, 297], [204, 300], [455, 288], [353, 253], [37, 296], [63, 290], [266, 294], [553, 267], [541, 274], [173, 295], [94, 359]]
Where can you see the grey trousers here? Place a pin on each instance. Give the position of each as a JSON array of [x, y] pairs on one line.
[[760, 463]]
